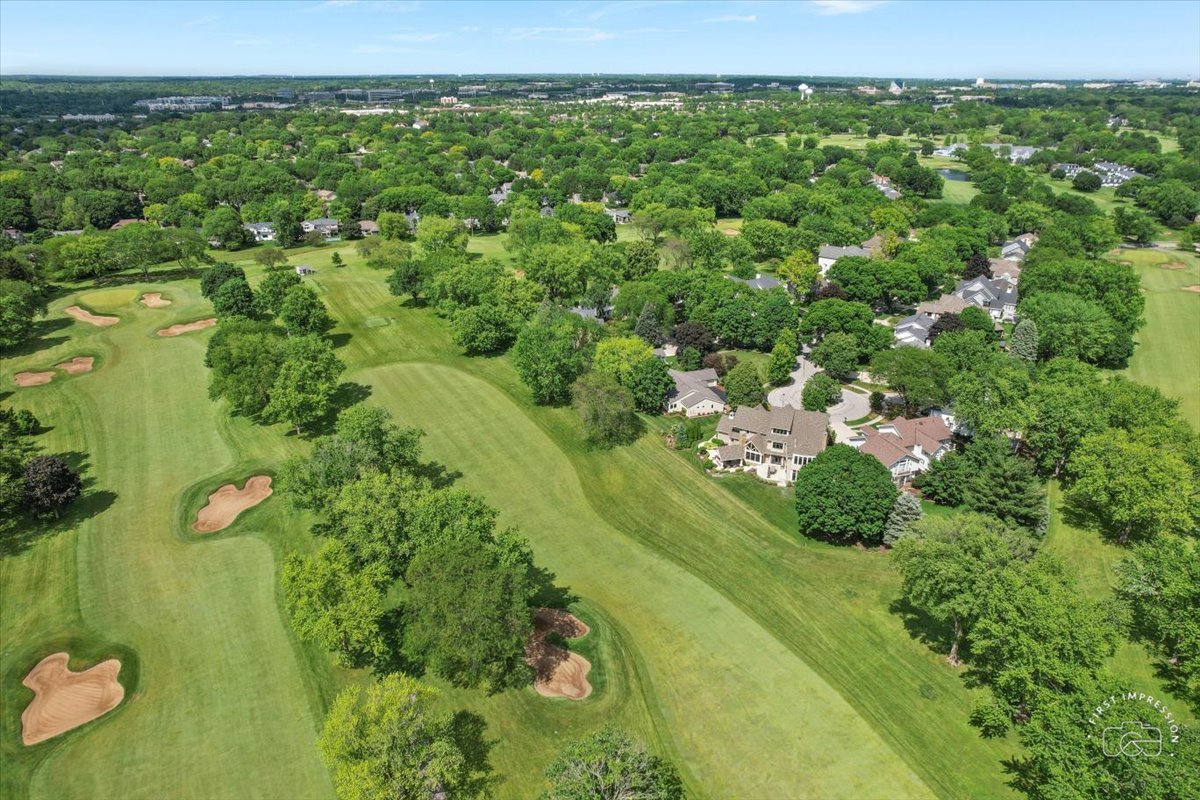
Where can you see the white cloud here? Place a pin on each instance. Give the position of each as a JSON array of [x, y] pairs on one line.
[[201, 21], [724, 18], [834, 7], [624, 7], [469, 29]]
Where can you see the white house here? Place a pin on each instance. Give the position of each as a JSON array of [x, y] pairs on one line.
[[997, 296], [828, 255], [906, 446], [262, 231], [695, 393], [324, 225]]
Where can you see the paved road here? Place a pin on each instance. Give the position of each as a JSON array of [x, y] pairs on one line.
[[853, 405]]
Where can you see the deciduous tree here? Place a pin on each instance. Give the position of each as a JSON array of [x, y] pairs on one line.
[[844, 495]]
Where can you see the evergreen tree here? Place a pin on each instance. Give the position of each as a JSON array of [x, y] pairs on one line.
[[905, 511], [648, 326], [1024, 343]]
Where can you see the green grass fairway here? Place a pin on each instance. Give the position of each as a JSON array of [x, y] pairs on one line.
[[766, 666], [1166, 355], [227, 704]]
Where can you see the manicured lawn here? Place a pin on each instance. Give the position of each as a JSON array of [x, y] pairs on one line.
[[1092, 560], [226, 704], [1166, 354], [763, 664]]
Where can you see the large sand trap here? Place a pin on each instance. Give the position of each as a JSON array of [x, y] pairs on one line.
[[86, 316], [154, 300], [77, 365], [1173, 265], [227, 502], [188, 327], [557, 672], [64, 700], [1195, 287], [33, 378]]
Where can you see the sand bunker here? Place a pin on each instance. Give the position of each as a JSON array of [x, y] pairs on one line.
[[90, 318], [227, 502], [1195, 287], [77, 365], [33, 378], [557, 672], [64, 700], [188, 327], [154, 300], [1173, 265]]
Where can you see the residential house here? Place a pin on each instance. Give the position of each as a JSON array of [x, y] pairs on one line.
[[695, 394], [997, 296], [303, 270], [1018, 248], [758, 282], [619, 215], [946, 304], [884, 184], [828, 255], [501, 194], [322, 225], [261, 231], [1006, 269], [14, 234], [773, 444], [906, 446], [913, 331], [368, 227], [414, 219]]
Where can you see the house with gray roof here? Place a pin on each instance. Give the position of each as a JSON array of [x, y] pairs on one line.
[[775, 444], [324, 225], [997, 296], [913, 331], [758, 282], [261, 231], [1016, 249], [828, 255], [696, 393]]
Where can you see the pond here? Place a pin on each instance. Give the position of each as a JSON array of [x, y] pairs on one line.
[[954, 174]]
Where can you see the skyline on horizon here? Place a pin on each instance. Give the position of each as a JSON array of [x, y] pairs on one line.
[[845, 38]]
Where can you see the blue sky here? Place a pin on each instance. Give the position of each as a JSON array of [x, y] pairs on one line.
[[1101, 39]]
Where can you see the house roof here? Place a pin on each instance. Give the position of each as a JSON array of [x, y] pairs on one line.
[[834, 252], [758, 282], [325, 221], [896, 440], [946, 304], [259, 226], [694, 387], [368, 226], [806, 430]]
